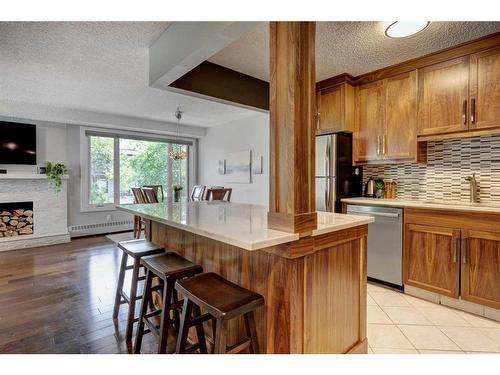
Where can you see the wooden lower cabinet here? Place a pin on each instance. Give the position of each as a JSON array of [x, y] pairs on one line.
[[431, 258], [480, 268], [458, 255]]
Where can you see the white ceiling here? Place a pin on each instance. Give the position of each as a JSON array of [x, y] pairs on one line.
[[95, 66], [351, 47], [102, 67]]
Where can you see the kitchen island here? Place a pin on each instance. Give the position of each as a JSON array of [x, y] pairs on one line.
[[314, 286]]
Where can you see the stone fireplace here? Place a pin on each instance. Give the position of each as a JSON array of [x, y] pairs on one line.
[[31, 212], [16, 219]]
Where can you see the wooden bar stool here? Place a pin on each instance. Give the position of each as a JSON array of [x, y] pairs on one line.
[[169, 267], [223, 301], [136, 249]]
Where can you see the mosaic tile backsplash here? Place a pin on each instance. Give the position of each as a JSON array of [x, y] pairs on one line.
[[443, 177]]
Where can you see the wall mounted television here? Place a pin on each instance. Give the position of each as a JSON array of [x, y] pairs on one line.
[[17, 143]]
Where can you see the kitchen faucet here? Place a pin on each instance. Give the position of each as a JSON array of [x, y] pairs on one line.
[[473, 187]]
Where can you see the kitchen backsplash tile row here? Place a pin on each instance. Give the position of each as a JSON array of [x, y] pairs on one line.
[[443, 177]]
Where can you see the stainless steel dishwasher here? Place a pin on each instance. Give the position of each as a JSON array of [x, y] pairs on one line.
[[385, 243]]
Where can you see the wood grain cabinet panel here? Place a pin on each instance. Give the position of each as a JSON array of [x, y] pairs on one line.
[[335, 109], [431, 258], [369, 124], [443, 97], [480, 269], [485, 89], [400, 136]]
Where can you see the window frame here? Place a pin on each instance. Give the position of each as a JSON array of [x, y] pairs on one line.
[[87, 132]]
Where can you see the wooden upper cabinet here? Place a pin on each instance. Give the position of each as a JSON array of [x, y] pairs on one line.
[[481, 267], [431, 258], [443, 91], [485, 89], [335, 107], [400, 136], [385, 127], [369, 122]]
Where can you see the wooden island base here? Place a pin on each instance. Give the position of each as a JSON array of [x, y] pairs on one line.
[[314, 288]]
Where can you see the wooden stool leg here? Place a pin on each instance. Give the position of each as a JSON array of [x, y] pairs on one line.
[[165, 317], [200, 332], [184, 328], [144, 309], [214, 333], [177, 318], [133, 298], [220, 337], [119, 288], [251, 332]]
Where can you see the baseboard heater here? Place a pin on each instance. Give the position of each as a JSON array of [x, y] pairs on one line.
[[98, 228]]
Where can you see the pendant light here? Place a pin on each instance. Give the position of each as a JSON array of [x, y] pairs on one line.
[[178, 155]]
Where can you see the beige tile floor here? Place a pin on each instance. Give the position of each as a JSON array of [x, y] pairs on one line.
[[402, 324]]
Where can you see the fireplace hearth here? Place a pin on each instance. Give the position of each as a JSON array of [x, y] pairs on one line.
[[16, 219]]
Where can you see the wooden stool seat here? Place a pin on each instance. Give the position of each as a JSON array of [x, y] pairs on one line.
[[135, 249], [140, 248], [170, 265], [222, 301], [218, 296]]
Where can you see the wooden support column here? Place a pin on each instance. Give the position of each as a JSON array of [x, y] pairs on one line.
[[292, 206]]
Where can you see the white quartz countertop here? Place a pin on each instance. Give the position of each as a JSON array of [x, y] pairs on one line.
[[242, 225], [436, 204]]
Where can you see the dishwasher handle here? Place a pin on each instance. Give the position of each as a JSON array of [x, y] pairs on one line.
[[383, 214]]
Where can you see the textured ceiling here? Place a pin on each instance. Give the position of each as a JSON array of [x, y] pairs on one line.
[[94, 66], [352, 47]]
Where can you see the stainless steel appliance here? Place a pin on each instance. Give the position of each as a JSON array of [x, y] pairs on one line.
[[370, 188], [336, 178], [385, 243]]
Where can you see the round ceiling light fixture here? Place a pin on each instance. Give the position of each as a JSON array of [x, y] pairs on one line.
[[403, 29]]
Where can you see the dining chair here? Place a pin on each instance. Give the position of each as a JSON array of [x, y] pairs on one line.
[[219, 194], [198, 192], [158, 190], [139, 198], [150, 195]]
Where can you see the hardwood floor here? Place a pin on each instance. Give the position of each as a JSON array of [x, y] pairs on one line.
[[59, 299]]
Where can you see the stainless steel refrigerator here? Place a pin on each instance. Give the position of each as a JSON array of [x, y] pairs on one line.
[[336, 178]]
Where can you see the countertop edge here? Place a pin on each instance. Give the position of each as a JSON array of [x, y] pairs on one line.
[[362, 220], [420, 204]]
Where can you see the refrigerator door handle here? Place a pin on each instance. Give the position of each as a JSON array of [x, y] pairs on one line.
[[327, 157], [327, 193]]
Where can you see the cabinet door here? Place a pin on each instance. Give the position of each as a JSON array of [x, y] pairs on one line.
[[400, 136], [442, 97], [369, 122], [431, 258], [480, 256], [485, 89], [336, 109]]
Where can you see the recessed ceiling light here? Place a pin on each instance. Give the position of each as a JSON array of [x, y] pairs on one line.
[[402, 29]]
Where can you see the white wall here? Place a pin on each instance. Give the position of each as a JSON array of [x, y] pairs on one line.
[[251, 133]]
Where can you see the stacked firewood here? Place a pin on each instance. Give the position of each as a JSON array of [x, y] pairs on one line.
[[16, 222]]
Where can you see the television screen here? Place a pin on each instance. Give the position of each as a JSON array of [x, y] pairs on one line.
[[17, 143]]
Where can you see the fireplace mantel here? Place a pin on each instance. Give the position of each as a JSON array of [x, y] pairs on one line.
[[26, 176], [49, 208]]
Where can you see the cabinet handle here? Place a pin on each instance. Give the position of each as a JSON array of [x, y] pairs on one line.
[[383, 144], [378, 144], [464, 112], [473, 110], [465, 244]]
